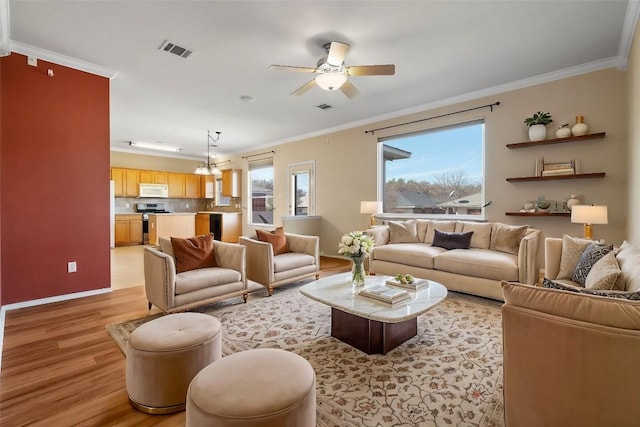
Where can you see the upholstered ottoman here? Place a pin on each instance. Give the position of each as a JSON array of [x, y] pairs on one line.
[[165, 354], [263, 387]]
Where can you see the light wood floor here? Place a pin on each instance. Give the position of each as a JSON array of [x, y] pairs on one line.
[[61, 368]]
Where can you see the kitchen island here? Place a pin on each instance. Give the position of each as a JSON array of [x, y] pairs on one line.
[[179, 224], [225, 226]]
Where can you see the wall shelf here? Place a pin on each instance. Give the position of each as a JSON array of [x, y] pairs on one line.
[[557, 140], [567, 214], [558, 177]]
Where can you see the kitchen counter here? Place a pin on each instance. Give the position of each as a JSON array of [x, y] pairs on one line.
[[178, 224], [225, 226], [219, 212], [172, 213]]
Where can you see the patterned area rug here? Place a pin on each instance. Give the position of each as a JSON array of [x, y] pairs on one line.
[[449, 374]]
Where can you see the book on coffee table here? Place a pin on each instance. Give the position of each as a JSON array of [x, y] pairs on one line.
[[416, 285], [384, 294]]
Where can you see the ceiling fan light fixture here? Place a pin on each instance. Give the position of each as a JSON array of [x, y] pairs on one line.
[[331, 80]]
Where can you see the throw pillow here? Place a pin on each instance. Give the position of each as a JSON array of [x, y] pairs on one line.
[[628, 257], [481, 238], [633, 296], [589, 257], [507, 238], [193, 253], [403, 231], [277, 238], [448, 226], [452, 240], [572, 248], [604, 273]]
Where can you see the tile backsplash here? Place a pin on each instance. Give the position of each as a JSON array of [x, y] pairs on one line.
[[128, 204]]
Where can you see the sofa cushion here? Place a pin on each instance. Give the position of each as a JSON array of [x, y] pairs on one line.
[[277, 238], [483, 263], [403, 231], [507, 238], [572, 248], [629, 259], [452, 240], [448, 226], [614, 312], [193, 253], [202, 278], [291, 260], [481, 237], [589, 257], [414, 254]]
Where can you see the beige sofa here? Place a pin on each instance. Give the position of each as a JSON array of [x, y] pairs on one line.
[[570, 359], [173, 292], [497, 252]]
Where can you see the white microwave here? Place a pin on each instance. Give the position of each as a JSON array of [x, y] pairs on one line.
[[154, 190]]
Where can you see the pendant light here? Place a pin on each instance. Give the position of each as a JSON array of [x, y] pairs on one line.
[[208, 167]]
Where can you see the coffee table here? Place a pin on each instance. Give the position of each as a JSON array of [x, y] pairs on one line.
[[369, 325]]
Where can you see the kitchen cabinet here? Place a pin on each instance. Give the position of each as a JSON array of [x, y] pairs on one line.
[[153, 177], [225, 226], [207, 186], [192, 186], [146, 177], [126, 182], [181, 225], [176, 184], [160, 177], [128, 229], [231, 182]]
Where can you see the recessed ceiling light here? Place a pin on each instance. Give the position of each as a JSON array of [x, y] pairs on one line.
[[247, 98]]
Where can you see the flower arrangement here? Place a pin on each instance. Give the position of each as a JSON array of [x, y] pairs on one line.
[[355, 244]]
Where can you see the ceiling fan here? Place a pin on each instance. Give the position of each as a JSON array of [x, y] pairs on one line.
[[332, 73]]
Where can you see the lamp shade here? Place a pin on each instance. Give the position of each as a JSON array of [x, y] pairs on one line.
[[589, 214], [370, 207], [331, 80]]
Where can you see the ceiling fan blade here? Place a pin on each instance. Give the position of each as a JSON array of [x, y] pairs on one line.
[[349, 90], [372, 70], [336, 54], [289, 68], [304, 88]]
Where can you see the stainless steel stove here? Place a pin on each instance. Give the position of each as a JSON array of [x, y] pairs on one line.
[[145, 209]]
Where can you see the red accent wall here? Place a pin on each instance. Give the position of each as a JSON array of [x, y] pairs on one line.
[[54, 180]]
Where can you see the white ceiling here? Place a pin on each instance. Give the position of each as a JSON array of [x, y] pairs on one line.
[[443, 51]]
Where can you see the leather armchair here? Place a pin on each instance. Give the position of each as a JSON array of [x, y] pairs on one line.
[[271, 270], [172, 292]]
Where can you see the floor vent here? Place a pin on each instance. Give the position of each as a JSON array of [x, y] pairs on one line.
[[324, 106], [169, 47]]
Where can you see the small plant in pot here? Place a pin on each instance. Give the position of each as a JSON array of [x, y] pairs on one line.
[[538, 125]]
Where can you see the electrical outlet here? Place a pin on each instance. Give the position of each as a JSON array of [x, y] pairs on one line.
[[72, 267], [32, 60], [126, 205], [187, 205]]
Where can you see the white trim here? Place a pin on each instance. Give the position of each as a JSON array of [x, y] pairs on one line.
[[144, 152], [41, 301], [5, 32], [628, 30], [58, 58]]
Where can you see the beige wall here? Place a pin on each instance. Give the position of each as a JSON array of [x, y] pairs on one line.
[[346, 161], [633, 227]]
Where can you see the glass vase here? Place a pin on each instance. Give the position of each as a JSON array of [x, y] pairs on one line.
[[357, 270]]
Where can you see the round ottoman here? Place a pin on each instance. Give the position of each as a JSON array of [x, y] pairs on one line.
[[164, 355], [264, 387]]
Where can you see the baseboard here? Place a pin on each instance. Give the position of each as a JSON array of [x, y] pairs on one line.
[[42, 301]]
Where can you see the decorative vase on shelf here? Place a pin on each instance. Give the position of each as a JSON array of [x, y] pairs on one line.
[[573, 200], [563, 132], [580, 128], [357, 270], [537, 132]]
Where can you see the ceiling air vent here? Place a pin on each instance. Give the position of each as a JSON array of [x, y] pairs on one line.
[[169, 47], [323, 106]]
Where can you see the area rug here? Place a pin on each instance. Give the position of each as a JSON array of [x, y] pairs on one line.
[[449, 374]]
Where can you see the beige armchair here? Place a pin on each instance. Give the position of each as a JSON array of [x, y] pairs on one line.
[[570, 359], [271, 270], [172, 292]]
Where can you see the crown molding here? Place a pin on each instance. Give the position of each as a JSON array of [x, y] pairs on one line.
[[5, 42], [628, 31], [144, 152], [60, 59]]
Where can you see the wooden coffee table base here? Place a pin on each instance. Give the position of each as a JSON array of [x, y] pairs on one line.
[[370, 336]]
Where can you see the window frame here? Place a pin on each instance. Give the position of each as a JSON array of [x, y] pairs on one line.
[[254, 166], [299, 168]]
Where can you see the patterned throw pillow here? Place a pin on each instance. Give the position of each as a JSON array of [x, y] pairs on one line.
[[634, 296], [589, 257]]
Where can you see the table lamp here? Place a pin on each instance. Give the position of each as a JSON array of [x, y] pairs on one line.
[[588, 215], [371, 208]]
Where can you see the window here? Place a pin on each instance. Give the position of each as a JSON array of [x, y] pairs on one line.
[[261, 192], [302, 189], [220, 199], [437, 172]]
